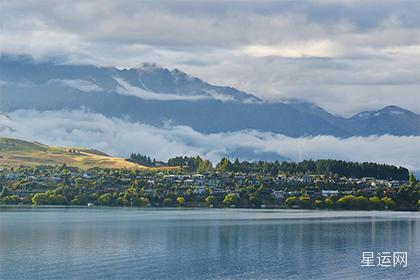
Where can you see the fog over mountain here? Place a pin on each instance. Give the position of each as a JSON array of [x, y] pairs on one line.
[[163, 113], [155, 95], [120, 137]]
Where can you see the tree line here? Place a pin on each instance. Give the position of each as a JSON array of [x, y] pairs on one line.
[[323, 166]]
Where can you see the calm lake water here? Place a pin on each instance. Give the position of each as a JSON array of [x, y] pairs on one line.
[[118, 243]]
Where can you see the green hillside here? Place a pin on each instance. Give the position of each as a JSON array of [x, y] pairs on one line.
[[14, 152]]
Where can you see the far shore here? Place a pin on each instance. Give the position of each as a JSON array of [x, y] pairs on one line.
[[29, 206]]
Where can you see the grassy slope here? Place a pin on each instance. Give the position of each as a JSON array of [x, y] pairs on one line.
[[15, 153]]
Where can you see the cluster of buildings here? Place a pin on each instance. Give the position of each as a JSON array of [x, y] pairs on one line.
[[279, 186]]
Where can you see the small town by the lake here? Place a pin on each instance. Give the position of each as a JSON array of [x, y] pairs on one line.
[[194, 182]]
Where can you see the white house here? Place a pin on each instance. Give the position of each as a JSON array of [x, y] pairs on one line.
[[306, 179], [278, 194], [329, 193]]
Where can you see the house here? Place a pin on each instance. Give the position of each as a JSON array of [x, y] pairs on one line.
[[213, 183], [281, 178], [326, 193], [278, 194], [189, 182], [395, 184], [55, 179], [198, 179], [219, 192], [198, 176], [11, 176], [201, 190], [306, 179], [240, 179], [294, 193], [253, 182], [150, 191]]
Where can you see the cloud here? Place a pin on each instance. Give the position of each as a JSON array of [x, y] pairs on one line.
[[323, 48], [341, 86], [346, 56], [81, 85], [121, 137], [127, 89]]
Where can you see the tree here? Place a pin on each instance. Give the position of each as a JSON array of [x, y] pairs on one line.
[[255, 198], [10, 199], [362, 202], [292, 201], [105, 199], [210, 200], [224, 165], [143, 160], [412, 181], [318, 203], [329, 203], [304, 201], [144, 201], [204, 166], [4, 192], [79, 200], [40, 199], [230, 199], [167, 201], [57, 199], [375, 202], [180, 200], [353, 202], [406, 198], [388, 202]]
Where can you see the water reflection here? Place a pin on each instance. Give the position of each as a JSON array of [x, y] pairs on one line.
[[198, 244]]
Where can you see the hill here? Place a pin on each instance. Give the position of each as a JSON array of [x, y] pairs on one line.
[[14, 152]]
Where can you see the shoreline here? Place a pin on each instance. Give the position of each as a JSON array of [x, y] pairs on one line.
[[24, 206]]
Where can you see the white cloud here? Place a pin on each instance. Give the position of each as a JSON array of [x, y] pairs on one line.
[[346, 56], [406, 50], [121, 137], [322, 48], [126, 89], [82, 85]]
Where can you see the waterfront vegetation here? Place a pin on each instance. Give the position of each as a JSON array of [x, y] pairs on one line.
[[322, 184]]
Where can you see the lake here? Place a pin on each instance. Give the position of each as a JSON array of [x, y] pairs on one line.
[[127, 243]]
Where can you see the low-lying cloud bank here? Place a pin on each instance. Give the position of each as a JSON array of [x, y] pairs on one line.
[[127, 89], [120, 137]]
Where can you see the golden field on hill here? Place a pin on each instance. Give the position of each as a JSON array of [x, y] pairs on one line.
[[14, 153]]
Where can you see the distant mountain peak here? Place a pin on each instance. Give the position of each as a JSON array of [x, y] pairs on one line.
[[388, 110], [154, 67], [160, 80], [392, 109]]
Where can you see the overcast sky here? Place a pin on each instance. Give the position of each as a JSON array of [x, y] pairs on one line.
[[346, 56]]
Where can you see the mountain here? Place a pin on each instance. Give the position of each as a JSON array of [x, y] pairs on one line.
[[154, 95], [391, 119], [177, 85], [148, 81], [14, 152]]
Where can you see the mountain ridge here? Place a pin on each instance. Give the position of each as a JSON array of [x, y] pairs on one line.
[[154, 95]]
